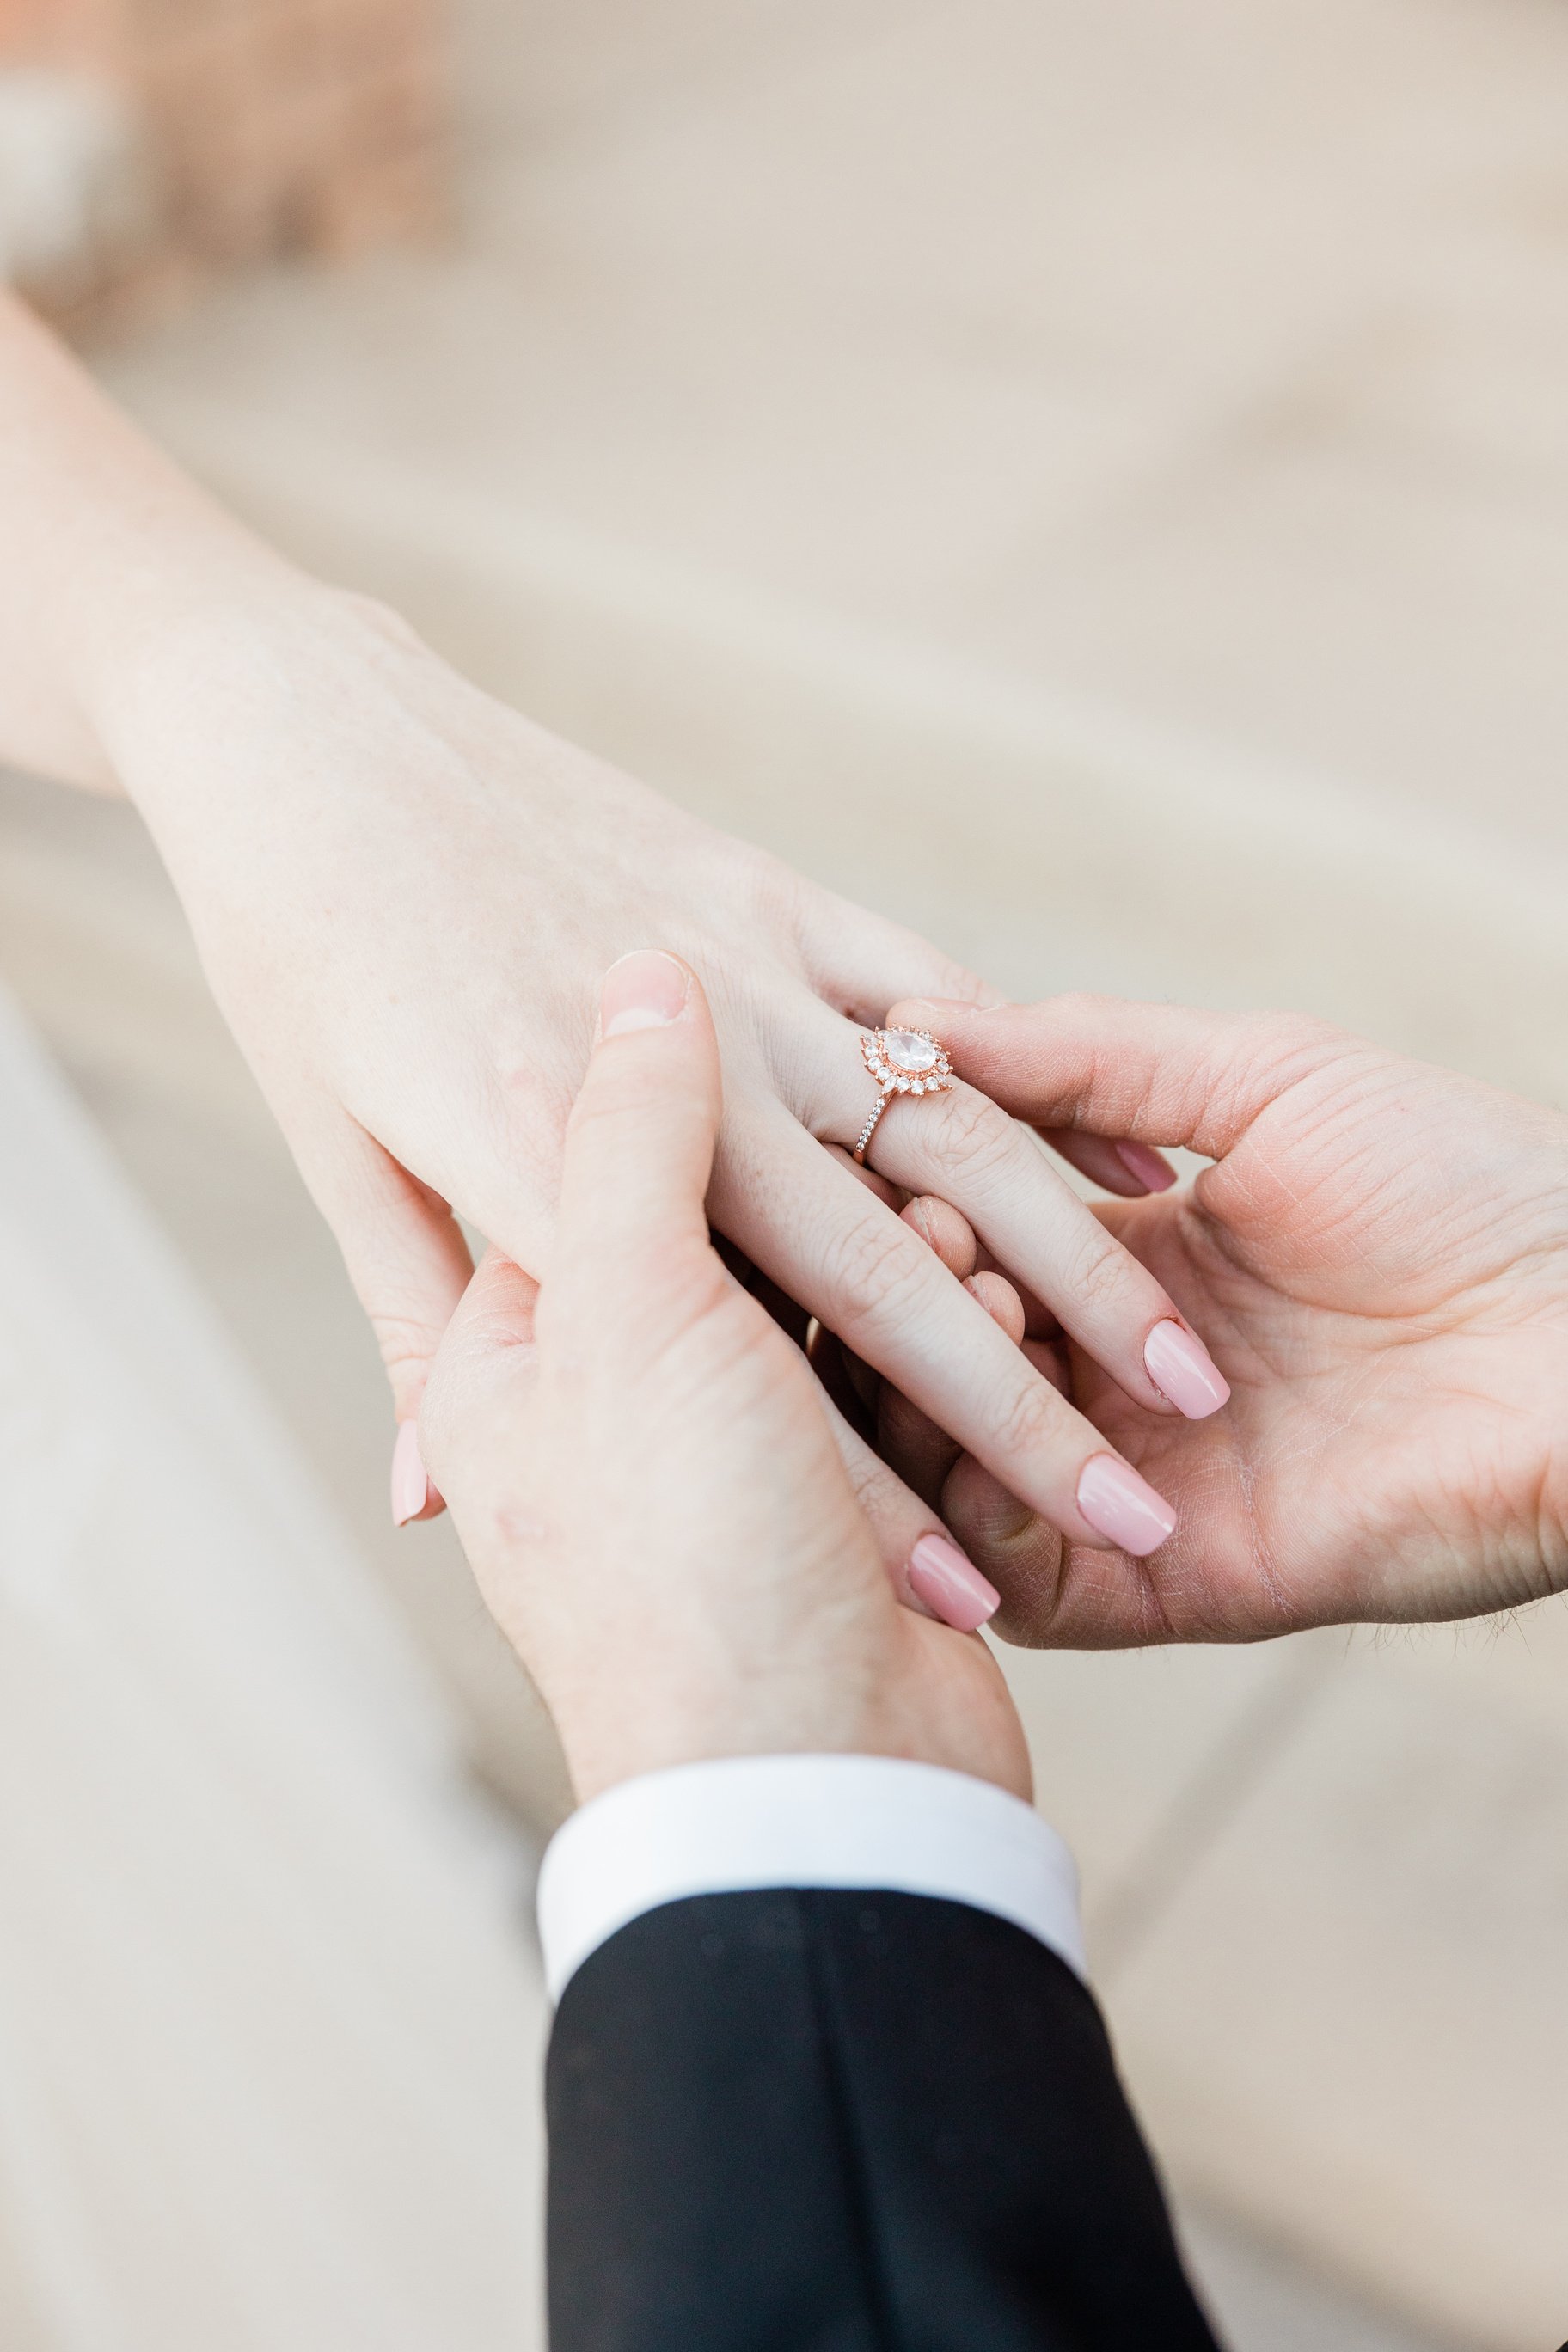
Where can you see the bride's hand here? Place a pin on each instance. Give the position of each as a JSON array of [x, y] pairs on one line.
[[404, 895]]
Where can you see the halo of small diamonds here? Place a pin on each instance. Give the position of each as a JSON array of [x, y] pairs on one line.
[[906, 1061], [902, 1062]]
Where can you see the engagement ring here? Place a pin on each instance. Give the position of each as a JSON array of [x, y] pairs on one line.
[[902, 1062]]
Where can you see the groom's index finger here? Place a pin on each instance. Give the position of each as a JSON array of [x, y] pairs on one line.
[[639, 1143], [1161, 1073]]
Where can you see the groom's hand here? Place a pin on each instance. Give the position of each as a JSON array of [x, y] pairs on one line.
[[1378, 1259], [644, 1477]]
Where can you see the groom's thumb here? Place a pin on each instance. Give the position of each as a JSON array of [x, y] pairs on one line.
[[639, 1146]]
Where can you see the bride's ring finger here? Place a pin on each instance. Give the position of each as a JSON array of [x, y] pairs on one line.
[[930, 1133], [868, 1279]]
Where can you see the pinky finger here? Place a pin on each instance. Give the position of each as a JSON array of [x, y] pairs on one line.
[[925, 1567], [951, 1238]]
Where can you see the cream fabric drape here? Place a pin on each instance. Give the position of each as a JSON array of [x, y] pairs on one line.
[[269, 2019]]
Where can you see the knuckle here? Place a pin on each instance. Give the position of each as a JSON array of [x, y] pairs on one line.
[[1291, 1043], [1301, 1032], [872, 1483], [407, 1342], [946, 982], [1029, 1421], [1272, 1053], [873, 1271], [975, 1139], [1097, 1271]]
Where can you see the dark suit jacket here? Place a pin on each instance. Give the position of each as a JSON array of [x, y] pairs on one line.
[[847, 2122]]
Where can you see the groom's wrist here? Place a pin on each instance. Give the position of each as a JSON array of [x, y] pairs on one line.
[[651, 1709], [651, 1724]]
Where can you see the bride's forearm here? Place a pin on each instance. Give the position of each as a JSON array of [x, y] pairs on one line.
[[108, 550]]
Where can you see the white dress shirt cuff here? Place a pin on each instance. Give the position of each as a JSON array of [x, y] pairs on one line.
[[750, 1822]]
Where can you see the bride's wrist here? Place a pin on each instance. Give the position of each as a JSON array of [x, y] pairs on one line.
[[224, 648]]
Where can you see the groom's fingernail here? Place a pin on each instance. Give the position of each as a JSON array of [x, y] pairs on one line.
[[1146, 1167], [410, 1485], [646, 990], [952, 1586], [1123, 1507], [1183, 1371]]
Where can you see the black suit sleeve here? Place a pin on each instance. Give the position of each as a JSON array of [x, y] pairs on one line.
[[847, 2122]]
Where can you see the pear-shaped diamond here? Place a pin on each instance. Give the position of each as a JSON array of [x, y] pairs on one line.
[[907, 1050]]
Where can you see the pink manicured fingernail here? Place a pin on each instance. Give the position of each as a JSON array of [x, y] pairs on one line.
[[646, 990], [1120, 1504], [410, 1486], [1183, 1370], [1146, 1166], [950, 1585]]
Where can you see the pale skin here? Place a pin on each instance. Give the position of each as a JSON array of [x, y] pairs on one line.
[[1384, 1244], [404, 895], [642, 1471], [1379, 1256]]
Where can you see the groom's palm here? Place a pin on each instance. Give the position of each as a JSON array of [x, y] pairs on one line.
[[1379, 1263]]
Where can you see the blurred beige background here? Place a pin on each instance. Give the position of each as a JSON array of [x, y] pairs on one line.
[[1093, 481]]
